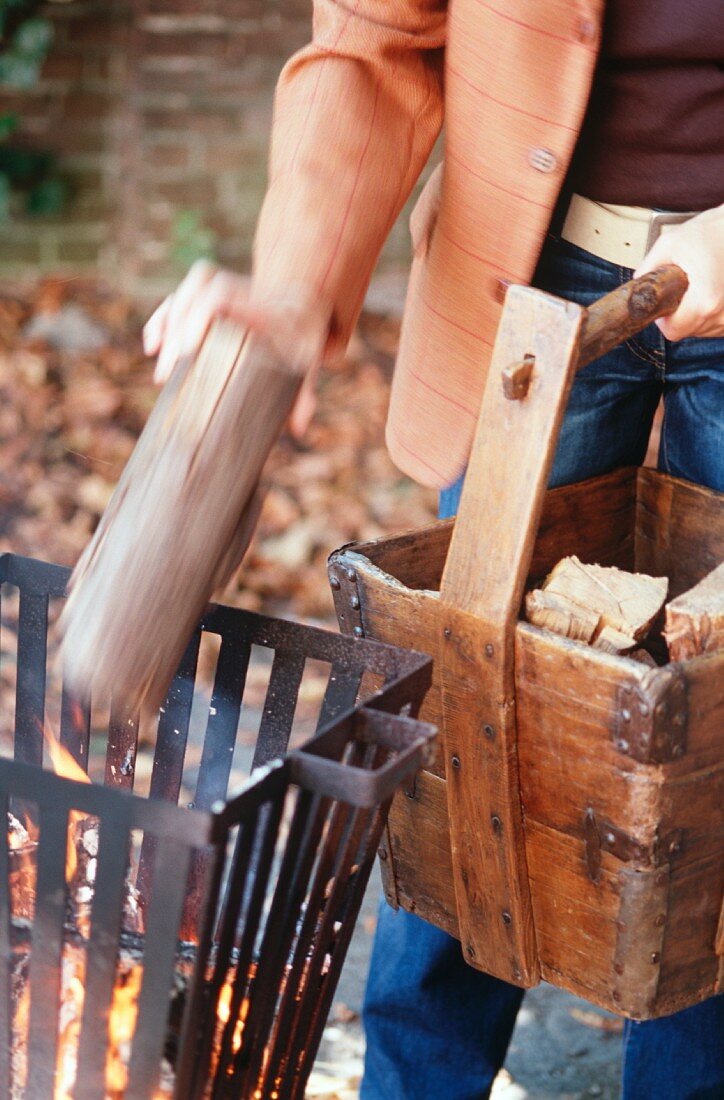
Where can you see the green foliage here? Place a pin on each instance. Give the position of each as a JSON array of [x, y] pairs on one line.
[[191, 240], [25, 39], [25, 44], [47, 197]]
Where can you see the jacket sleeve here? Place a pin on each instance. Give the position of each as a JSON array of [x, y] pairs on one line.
[[356, 115]]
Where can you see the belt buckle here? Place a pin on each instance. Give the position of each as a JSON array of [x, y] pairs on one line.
[[660, 219]]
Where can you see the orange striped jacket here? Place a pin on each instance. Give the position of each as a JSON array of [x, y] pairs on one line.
[[356, 115]]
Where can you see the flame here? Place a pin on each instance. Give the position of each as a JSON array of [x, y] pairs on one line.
[[223, 1012], [121, 1026], [71, 1011], [123, 1013], [63, 762], [65, 765]]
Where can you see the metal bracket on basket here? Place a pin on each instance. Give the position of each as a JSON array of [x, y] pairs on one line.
[[343, 582], [652, 717]]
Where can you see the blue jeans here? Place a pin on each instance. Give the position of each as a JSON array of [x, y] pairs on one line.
[[437, 1029]]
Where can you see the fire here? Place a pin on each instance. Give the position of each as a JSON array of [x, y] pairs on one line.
[[223, 1012], [123, 1012], [121, 1026], [64, 764]]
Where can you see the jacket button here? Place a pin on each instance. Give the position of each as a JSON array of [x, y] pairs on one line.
[[542, 160], [587, 30]]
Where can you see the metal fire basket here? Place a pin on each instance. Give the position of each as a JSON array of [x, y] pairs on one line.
[[242, 904]]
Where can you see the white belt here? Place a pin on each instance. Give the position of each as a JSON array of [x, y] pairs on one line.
[[620, 234]]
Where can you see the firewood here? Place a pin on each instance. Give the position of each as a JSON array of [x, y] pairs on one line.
[[179, 521], [695, 620], [605, 607], [643, 657]]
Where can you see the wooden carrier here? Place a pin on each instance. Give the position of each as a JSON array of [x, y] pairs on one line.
[[572, 826]]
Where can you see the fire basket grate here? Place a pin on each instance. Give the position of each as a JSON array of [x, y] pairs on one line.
[[151, 949]]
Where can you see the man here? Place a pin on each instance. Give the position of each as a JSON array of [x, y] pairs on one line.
[[357, 113]]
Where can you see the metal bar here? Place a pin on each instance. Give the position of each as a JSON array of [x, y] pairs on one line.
[[322, 645], [164, 819], [75, 727], [47, 947], [102, 955], [287, 1008], [6, 1002], [121, 747], [168, 759], [225, 936], [341, 693], [162, 922], [196, 1024], [224, 709], [299, 855], [30, 688], [218, 752], [342, 909], [35, 577], [173, 727], [252, 902], [341, 842], [279, 706]]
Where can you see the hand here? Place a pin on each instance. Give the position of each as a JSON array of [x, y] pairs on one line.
[[295, 322], [697, 246]]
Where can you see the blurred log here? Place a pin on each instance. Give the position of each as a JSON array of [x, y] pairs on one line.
[[695, 619], [603, 606], [179, 520]]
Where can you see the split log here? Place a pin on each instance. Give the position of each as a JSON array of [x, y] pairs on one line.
[[643, 657], [695, 619], [179, 520], [602, 606]]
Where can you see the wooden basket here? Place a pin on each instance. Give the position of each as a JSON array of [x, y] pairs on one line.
[[572, 827]]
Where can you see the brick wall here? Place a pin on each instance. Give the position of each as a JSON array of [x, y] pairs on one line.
[[73, 113], [159, 112]]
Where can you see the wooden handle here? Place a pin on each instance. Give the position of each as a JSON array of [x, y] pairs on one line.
[[542, 342], [630, 308]]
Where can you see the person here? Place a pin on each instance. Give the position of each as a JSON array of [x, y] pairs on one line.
[[537, 185]]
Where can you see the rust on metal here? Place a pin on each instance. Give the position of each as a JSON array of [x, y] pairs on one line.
[[640, 939], [603, 836], [345, 592], [651, 717]]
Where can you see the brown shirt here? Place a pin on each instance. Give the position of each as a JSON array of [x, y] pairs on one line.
[[654, 131]]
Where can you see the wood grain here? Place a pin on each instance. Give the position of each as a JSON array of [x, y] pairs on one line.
[[695, 619], [608, 772], [179, 520], [483, 584]]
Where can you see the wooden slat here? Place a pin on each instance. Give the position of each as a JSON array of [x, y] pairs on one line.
[[679, 530], [575, 918], [417, 869], [393, 613], [690, 962], [483, 583], [593, 519]]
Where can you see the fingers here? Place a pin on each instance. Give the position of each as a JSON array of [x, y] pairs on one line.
[[179, 309], [155, 327], [697, 247], [304, 406], [218, 295], [684, 320]]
